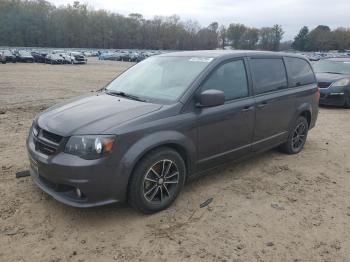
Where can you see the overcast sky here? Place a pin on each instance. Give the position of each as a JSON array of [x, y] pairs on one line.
[[291, 14]]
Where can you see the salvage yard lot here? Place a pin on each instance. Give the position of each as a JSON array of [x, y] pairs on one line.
[[272, 207]]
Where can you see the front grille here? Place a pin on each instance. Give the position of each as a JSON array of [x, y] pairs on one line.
[[79, 58], [44, 148], [323, 84], [51, 136], [46, 142]]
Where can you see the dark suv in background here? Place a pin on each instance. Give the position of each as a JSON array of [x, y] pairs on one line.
[[167, 119]]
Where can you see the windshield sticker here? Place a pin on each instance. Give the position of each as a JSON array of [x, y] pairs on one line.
[[201, 59]]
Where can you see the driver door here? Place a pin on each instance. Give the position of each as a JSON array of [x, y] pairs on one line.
[[225, 132]]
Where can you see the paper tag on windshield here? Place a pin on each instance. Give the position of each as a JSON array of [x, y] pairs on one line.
[[201, 59]]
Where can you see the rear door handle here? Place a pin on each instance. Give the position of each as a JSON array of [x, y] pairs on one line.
[[247, 108], [262, 104]]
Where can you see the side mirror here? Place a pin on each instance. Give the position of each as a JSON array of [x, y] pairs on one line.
[[211, 97]]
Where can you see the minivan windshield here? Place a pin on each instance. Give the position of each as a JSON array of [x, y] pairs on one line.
[[159, 78], [334, 67]]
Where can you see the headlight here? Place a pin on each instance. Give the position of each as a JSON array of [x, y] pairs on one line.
[[90, 147], [35, 130], [341, 82]]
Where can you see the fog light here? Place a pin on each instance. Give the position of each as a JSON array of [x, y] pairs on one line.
[[78, 192]]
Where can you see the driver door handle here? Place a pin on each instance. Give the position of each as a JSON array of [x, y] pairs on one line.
[[247, 108], [262, 104]]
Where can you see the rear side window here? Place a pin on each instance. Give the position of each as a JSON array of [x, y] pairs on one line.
[[299, 72], [269, 74], [231, 78]]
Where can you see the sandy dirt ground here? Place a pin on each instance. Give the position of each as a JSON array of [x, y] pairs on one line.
[[272, 207]]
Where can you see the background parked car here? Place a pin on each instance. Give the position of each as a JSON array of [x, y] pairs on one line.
[[333, 76], [54, 59], [39, 57], [124, 56], [24, 56], [90, 53], [109, 56], [67, 59], [77, 58], [137, 57], [10, 57], [2, 57]]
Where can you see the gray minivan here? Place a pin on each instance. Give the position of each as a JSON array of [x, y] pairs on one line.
[[167, 119]]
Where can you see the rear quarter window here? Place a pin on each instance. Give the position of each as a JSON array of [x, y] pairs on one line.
[[299, 72], [269, 74]]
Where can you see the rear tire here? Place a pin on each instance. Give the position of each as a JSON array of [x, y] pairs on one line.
[[156, 180], [297, 137]]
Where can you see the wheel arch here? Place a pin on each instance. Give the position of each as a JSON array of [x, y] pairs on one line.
[[174, 140], [307, 115], [304, 110]]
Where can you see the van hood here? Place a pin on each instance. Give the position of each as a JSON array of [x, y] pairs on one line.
[[92, 114]]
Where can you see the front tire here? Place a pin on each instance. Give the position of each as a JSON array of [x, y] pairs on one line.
[[156, 180], [297, 137]]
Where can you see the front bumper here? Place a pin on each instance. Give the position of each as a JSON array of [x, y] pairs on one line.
[[80, 60], [11, 59], [27, 59], [332, 96], [62, 174]]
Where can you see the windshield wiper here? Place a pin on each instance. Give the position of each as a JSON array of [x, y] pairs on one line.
[[336, 73], [123, 94]]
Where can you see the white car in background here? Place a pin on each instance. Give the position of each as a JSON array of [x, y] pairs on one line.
[[73, 58], [77, 58]]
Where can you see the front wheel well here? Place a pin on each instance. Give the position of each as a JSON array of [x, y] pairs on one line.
[[176, 147]]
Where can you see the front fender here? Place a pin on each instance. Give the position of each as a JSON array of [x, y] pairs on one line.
[[154, 140]]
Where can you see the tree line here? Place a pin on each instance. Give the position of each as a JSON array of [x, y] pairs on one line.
[[322, 38], [38, 23], [240, 36]]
